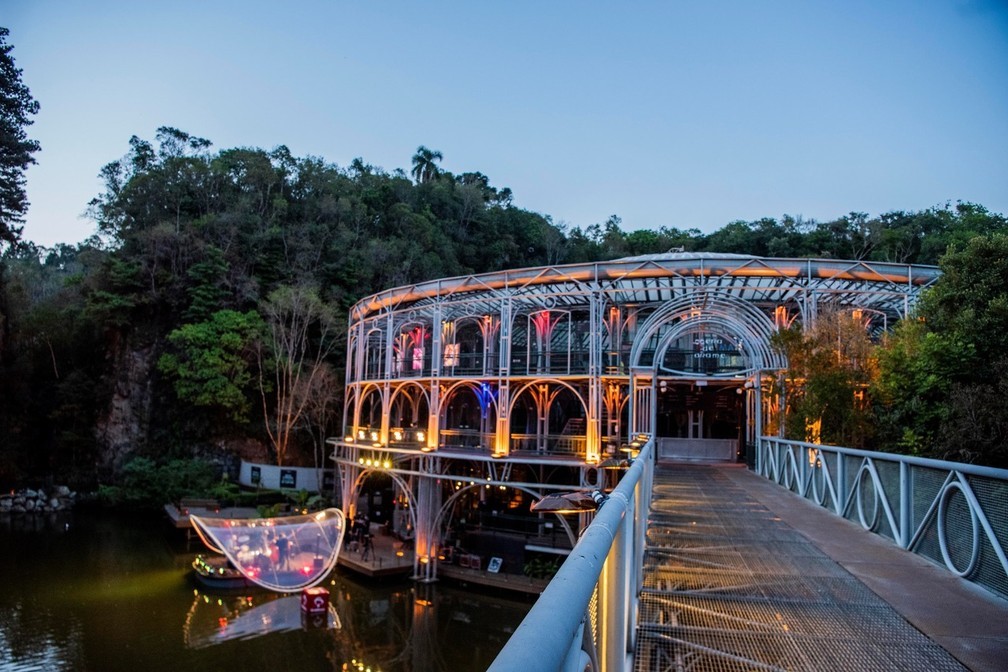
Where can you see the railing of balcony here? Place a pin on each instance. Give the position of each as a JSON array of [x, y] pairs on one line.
[[586, 618], [954, 514], [565, 445], [471, 440]]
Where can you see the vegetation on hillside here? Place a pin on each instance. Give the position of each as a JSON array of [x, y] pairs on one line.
[[205, 314]]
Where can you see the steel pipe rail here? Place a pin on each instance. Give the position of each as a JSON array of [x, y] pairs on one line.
[[954, 514], [586, 617]]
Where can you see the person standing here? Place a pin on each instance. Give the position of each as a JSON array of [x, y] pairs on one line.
[[283, 557]]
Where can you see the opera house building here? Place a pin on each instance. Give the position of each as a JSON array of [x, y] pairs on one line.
[[477, 395]]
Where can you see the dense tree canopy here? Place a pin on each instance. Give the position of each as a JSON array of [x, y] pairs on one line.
[[150, 339], [16, 149], [945, 374]]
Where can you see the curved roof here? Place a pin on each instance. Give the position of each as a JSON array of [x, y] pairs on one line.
[[678, 256], [651, 277]]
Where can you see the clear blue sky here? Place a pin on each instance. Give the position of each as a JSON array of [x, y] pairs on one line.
[[682, 114]]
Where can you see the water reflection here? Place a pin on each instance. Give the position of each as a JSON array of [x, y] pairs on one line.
[[91, 592], [213, 619]]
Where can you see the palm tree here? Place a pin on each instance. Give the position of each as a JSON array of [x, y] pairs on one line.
[[424, 167]]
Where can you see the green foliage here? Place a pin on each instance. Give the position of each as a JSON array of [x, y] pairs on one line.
[[304, 501], [211, 362], [16, 109], [917, 370], [541, 568], [970, 301], [830, 365], [146, 484], [191, 241], [944, 375]]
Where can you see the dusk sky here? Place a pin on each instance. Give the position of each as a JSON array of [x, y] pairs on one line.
[[678, 114]]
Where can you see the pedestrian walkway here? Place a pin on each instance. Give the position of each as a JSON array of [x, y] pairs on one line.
[[741, 574]]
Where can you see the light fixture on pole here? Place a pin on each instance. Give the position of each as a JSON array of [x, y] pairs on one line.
[[570, 502], [613, 463]]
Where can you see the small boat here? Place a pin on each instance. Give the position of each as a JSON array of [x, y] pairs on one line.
[[215, 572], [285, 554]]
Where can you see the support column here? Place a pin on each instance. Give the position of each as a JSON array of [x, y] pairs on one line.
[[593, 423], [428, 503], [502, 432]]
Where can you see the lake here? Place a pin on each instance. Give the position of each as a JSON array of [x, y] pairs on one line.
[[91, 591]]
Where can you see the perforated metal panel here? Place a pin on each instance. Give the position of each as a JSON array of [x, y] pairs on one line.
[[728, 586]]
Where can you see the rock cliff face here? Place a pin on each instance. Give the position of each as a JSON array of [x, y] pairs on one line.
[[123, 428]]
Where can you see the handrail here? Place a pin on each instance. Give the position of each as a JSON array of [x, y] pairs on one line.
[[558, 633], [949, 512]]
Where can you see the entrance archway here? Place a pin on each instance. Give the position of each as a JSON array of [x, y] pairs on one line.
[[696, 363]]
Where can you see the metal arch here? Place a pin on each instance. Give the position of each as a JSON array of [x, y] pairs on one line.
[[553, 394], [448, 503], [406, 384], [761, 356], [752, 325], [471, 384], [400, 483], [366, 390]]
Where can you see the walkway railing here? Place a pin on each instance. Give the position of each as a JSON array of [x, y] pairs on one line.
[[586, 618], [953, 514]]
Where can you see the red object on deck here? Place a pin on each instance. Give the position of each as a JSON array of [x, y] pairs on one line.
[[315, 600]]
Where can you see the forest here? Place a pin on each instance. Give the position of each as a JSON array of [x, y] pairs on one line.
[[204, 318], [205, 314]]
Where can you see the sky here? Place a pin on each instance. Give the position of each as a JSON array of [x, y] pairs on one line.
[[666, 114]]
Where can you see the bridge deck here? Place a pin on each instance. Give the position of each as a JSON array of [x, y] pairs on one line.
[[743, 575]]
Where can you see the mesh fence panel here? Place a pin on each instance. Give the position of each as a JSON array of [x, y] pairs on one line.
[[993, 497], [971, 547]]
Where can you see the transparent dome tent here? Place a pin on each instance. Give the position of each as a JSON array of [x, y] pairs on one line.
[[283, 554]]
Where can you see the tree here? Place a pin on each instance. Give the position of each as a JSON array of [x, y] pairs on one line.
[[830, 366], [210, 365], [425, 164], [918, 369], [16, 149], [945, 373], [301, 332]]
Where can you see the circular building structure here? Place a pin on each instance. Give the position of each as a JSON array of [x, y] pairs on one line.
[[495, 388]]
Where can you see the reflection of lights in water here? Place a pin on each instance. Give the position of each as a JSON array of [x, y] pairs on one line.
[[360, 666], [214, 621]]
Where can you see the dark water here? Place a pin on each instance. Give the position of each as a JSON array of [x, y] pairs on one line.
[[93, 592]]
